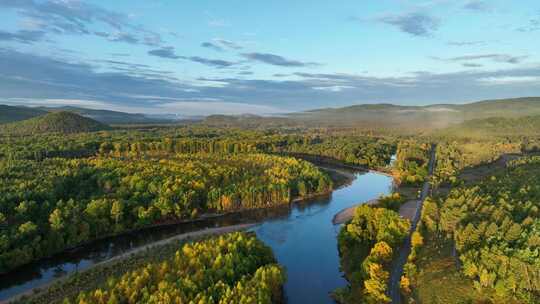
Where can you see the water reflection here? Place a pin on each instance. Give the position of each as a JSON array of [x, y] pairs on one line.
[[305, 242]]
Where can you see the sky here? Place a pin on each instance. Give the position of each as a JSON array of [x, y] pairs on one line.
[[202, 57]]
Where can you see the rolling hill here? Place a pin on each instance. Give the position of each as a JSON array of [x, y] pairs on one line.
[[389, 117], [57, 122], [110, 117], [418, 118], [404, 119], [17, 113]]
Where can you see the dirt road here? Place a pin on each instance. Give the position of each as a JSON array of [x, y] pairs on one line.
[[405, 249]]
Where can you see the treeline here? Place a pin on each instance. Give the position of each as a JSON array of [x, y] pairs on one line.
[[366, 245], [355, 150], [495, 226], [234, 268], [48, 206]]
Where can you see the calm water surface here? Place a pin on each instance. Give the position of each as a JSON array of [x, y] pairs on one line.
[[305, 242], [303, 239]]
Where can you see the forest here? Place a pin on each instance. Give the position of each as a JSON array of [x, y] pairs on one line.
[[492, 226], [55, 204], [366, 245], [410, 167], [63, 190], [365, 151], [456, 154], [495, 226], [231, 268]]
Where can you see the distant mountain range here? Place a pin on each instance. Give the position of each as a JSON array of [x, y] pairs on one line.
[[407, 119], [108, 117], [16, 113]]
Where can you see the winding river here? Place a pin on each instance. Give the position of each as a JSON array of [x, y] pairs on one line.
[[303, 239]]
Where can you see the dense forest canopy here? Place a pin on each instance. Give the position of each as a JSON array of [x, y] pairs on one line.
[[496, 228], [57, 203], [365, 151], [366, 245], [411, 165]]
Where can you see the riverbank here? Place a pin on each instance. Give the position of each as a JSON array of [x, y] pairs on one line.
[[305, 242], [407, 211], [340, 177], [66, 286], [347, 214]]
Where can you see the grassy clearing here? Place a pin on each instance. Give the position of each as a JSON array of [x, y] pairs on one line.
[[475, 174], [408, 192], [441, 282]]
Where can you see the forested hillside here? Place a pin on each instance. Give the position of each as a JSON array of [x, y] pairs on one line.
[[17, 113], [378, 118], [496, 127], [109, 117], [417, 119], [58, 122]]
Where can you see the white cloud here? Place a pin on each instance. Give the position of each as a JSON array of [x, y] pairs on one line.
[[91, 104], [334, 88], [217, 107], [510, 80]]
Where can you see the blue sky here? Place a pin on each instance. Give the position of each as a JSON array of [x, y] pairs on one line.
[[206, 57]]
